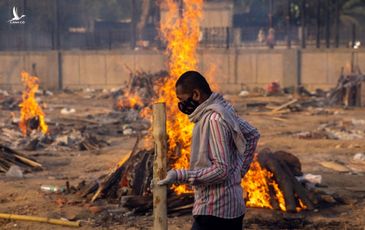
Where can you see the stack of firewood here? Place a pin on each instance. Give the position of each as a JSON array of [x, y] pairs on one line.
[[129, 183], [9, 157], [285, 168], [142, 85], [350, 91]]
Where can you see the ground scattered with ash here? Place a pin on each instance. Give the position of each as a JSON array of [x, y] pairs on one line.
[[23, 196]]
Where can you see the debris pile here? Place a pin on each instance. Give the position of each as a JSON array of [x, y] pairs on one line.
[[129, 185], [350, 91], [10, 157]]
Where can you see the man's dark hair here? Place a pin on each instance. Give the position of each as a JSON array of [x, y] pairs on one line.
[[191, 80]]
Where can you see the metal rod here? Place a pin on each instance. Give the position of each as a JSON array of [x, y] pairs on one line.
[[288, 28], [328, 35], [353, 34], [318, 28], [337, 26], [303, 24]]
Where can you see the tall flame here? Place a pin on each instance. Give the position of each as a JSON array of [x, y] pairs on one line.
[[29, 108], [181, 30]]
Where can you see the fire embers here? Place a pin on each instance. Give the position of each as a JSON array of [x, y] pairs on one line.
[[31, 114], [128, 102]]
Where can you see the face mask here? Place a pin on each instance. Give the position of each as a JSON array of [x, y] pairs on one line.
[[188, 106]]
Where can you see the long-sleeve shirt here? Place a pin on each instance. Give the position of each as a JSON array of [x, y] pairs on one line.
[[218, 190]]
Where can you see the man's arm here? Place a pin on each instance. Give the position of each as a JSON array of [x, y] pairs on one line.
[[252, 136], [218, 154]]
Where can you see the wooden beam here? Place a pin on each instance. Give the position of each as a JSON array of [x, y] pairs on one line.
[[159, 167], [40, 219], [285, 105]]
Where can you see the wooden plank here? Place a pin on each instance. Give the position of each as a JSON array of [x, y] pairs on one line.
[[283, 106], [270, 113], [29, 162], [334, 166]]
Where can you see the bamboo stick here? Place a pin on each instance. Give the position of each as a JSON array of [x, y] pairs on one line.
[[40, 219], [159, 167], [29, 162]]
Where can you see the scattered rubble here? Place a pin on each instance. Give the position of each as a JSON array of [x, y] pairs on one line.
[[127, 186], [335, 130]]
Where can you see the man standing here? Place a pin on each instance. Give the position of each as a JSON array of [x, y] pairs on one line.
[[221, 152]]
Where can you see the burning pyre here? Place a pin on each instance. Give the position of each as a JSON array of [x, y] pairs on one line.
[[31, 114], [181, 30]]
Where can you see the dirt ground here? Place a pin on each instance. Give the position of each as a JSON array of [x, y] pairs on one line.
[[23, 196]]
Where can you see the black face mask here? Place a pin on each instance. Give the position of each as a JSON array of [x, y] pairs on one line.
[[188, 106]]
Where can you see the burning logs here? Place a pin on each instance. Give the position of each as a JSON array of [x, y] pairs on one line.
[[132, 176], [140, 90], [285, 167], [9, 157], [130, 182], [271, 182], [31, 114]]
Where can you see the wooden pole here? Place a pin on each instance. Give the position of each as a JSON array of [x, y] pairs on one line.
[[40, 219], [159, 167]]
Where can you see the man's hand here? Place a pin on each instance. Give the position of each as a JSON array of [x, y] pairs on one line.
[[171, 178]]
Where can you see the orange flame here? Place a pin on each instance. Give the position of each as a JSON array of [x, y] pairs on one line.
[[182, 35], [181, 30], [256, 184], [129, 101], [29, 107]]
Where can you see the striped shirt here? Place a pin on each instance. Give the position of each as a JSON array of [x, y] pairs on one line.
[[217, 188]]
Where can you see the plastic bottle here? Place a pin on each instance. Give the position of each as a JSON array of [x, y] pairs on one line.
[[52, 188]]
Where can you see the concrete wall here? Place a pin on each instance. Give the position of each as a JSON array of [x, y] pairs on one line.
[[106, 69], [236, 69], [321, 68], [232, 69], [12, 63]]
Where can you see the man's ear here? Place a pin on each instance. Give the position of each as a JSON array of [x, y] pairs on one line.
[[196, 95]]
